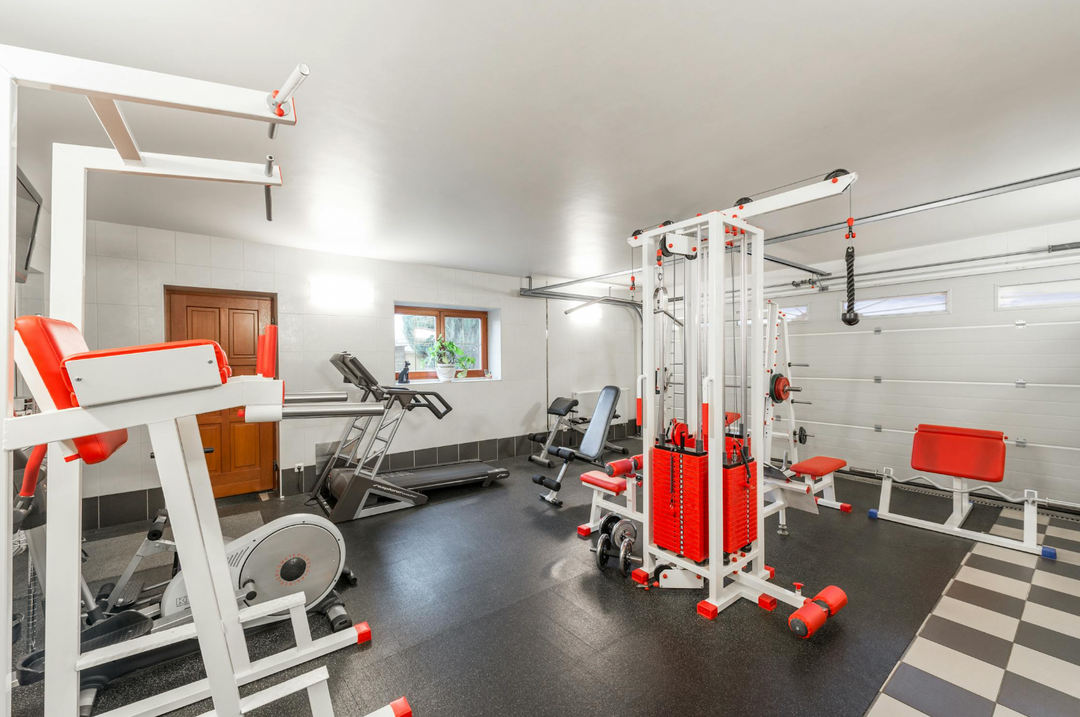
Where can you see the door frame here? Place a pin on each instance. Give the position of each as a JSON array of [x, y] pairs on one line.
[[272, 296]]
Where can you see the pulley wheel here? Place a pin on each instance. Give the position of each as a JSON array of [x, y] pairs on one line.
[[779, 388], [603, 545]]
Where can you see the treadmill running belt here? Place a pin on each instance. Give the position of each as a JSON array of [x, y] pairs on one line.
[[420, 479]]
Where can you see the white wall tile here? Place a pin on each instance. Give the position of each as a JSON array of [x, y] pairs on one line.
[[151, 324], [259, 257], [153, 276], [91, 238], [117, 326], [156, 244], [119, 240], [192, 249], [291, 332], [226, 253], [226, 278], [315, 333], [258, 281], [91, 280], [117, 281], [287, 260], [195, 276]]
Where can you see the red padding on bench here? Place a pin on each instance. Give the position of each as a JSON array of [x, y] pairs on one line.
[[730, 418], [49, 342], [401, 707], [601, 480], [266, 352], [959, 452], [818, 466]]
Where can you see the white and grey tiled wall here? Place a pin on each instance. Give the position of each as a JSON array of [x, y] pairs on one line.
[[544, 354]]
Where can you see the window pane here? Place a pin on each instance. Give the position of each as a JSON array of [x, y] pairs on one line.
[[1046, 293], [466, 334], [414, 339], [795, 313], [902, 305]]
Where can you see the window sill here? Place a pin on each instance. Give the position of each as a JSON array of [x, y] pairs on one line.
[[426, 381]]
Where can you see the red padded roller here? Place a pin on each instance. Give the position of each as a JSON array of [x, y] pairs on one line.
[[834, 597], [266, 352], [621, 467], [807, 620], [959, 452]]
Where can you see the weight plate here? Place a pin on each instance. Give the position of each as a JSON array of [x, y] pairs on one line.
[[623, 530], [608, 523], [626, 549], [603, 544]]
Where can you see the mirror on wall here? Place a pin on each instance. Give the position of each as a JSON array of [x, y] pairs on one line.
[[27, 214]]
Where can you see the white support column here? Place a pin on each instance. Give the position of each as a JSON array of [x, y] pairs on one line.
[[692, 347], [8, 162], [789, 407], [756, 371], [113, 122], [177, 483], [648, 396], [716, 292], [64, 548]]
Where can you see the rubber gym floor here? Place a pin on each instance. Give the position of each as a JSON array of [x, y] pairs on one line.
[[485, 602]]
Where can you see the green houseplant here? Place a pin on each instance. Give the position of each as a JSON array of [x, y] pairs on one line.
[[449, 359]]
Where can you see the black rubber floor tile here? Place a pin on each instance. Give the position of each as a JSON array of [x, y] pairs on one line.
[[1050, 642], [934, 696], [1000, 567], [1033, 699], [1055, 599], [1059, 567], [968, 640], [985, 598]]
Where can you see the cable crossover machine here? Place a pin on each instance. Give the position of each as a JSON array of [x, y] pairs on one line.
[[702, 508]]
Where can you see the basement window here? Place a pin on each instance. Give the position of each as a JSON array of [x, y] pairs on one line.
[[1038, 294], [912, 305], [417, 327]]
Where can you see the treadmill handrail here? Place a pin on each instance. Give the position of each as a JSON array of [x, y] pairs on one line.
[[423, 399]]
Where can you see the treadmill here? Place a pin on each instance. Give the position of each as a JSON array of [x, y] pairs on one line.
[[352, 484]]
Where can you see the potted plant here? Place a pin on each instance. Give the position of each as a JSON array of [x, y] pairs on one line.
[[449, 359]]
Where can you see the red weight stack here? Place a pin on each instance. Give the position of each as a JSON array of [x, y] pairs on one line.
[[740, 507], [680, 503]]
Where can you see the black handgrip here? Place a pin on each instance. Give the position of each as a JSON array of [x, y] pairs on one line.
[[431, 401], [850, 317], [157, 528], [207, 450]]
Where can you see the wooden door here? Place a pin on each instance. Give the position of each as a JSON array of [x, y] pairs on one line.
[[243, 457]]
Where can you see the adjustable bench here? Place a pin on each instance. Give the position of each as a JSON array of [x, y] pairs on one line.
[[817, 472], [963, 454]]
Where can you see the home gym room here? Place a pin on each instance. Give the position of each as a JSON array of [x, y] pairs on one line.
[[373, 353]]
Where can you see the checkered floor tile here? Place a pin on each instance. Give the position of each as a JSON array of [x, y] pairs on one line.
[[1003, 640]]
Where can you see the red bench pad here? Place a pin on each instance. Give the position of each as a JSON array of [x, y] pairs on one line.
[[959, 452], [818, 466], [49, 342], [600, 479], [222, 362]]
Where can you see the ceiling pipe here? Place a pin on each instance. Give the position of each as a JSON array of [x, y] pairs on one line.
[[915, 209], [586, 305]]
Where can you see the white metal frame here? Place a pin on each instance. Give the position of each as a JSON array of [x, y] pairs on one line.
[[961, 490], [217, 620], [705, 237]]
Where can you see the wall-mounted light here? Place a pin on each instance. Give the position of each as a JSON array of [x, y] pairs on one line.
[[339, 292]]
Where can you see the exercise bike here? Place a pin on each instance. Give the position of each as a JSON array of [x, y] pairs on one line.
[[290, 554]]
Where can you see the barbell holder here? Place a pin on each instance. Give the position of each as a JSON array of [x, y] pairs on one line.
[[804, 403], [798, 365]]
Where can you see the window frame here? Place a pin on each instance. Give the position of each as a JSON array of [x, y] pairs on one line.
[[1054, 305], [440, 330]]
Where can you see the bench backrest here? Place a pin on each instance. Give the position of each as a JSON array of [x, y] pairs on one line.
[[592, 445], [960, 452]]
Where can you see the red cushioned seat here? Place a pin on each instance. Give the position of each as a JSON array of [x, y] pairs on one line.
[[49, 341], [818, 466], [730, 417], [959, 452], [600, 479]]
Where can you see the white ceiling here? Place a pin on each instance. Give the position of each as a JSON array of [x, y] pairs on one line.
[[534, 137]]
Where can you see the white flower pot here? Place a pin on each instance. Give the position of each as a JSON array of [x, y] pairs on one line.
[[446, 371]]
